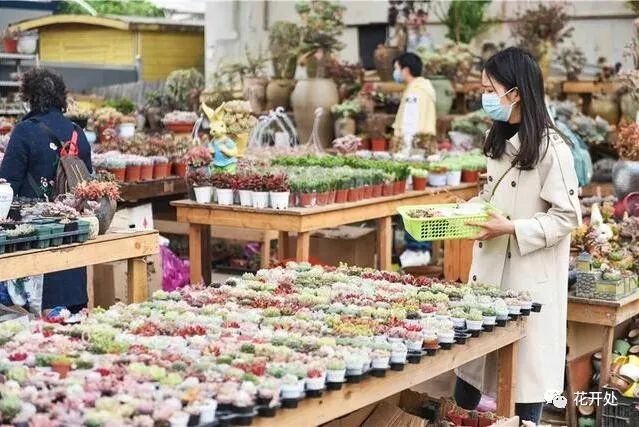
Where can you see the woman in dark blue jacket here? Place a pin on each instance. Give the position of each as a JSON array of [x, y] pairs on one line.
[[31, 153]]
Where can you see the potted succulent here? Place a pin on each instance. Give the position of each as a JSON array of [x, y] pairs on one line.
[[490, 318], [243, 186], [259, 194], [335, 370], [223, 184], [105, 194], [200, 180], [474, 319], [315, 380], [179, 121], [284, 40], [146, 169], [61, 365], [116, 166], [290, 388], [106, 118], [342, 184], [133, 169], [126, 126], [10, 40], [402, 172], [437, 175], [279, 190], [398, 354], [184, 87], [458, 317], [345, 114], [453, 174], [471, 168], [420, 178], [161, 167]]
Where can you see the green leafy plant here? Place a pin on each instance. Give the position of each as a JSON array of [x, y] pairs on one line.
[[465, 19], [350, 108], [284, 41], [453, 60], [180, 85], [113, 7], [123, 105]]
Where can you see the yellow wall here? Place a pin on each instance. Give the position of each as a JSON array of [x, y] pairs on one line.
[[87, 44], [163, 52]]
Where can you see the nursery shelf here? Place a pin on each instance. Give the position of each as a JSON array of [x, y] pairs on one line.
[[351, 397], [303, 221], [107, 248], [144, 190]]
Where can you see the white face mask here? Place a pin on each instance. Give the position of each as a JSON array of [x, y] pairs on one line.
[[491, 103]]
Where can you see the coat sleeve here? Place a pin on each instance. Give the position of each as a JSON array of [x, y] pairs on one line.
[[15, 164], [427, 114], [559, 189]]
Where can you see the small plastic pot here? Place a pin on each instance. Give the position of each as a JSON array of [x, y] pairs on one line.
[[387, 189], [341, 196], [307, 200], [419, 183], [399, 187], [379, 144], [119, 174], [146, 172], [179, 169], [224, 196], [132, 173], [353, 194], [378, 190], [470, 176]]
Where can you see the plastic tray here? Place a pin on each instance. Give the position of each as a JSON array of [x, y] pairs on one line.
[[43, 241], [442, 228], [624, 413]]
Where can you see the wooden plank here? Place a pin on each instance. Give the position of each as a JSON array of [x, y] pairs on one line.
[[135, 191], [303, 246], [282, 246], [600, 312], [606, 355], [199, 253], [600, 189], [218, 232], [582, 86], [265, 254], [107, 248], [506, 369], [385, 243], [351, 397], [138, 287], [451, 260], [465, 259]]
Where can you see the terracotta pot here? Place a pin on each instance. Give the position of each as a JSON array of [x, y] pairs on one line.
[[341, 196], [119, 174], [321, 199], [419, 183], [179, 169], [278, 93], [471, 422], [379, 144], [399, 187], [132, 173], [105, 212], [366, 144], [254, 91], [292, 199], [387, 189], [367, 192], [384, 57], [332, 195], [160, 170], [470, 176], [61, 368], [146, 172], [185, 127], [445, 94], [378, 190], [307, 199], [308, 96], [353, 194], [345, 126], [10, 45]]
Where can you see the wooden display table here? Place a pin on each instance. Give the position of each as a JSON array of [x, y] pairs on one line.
[[302, 221], [144, 190], [599, 189], [107, 248], [351, 397], [608, 314]]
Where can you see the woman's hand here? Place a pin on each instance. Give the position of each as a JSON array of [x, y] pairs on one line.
[[496, 226]]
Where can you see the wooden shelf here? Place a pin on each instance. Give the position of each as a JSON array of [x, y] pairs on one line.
[[144, 190], [18, 56], [351, 397], [586, 87]]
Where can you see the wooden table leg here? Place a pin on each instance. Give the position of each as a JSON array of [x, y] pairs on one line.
[[199, 252], [137, 284], [506, 371], [282, 246], [606, 354], [303, 246], [265, 253], [385, 243]]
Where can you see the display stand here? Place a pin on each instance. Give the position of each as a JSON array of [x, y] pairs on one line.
[[303, 221], [606, 314], [335, 404], [107, 248]]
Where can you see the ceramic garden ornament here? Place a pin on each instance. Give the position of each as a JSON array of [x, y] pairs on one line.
[[224, 149]]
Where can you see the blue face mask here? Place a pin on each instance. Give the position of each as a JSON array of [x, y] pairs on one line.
[[397, 75], [491, 103]]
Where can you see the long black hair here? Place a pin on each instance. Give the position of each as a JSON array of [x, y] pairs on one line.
[[515, 67], [43, 89]]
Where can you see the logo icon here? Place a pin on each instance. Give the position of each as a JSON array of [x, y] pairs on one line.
[[555, 398]]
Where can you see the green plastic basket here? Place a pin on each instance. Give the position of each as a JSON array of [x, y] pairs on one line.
[[443, 228]]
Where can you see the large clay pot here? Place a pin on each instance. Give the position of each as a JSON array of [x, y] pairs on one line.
[[625, 177], [105, 213], [345, 126], [606, 106], [278, 93], [384, 57], [629, 106], [154, 118], [255, 93], [309, 95], [445, 93]]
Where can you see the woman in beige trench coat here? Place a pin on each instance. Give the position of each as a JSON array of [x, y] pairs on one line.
[[532, 181]]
